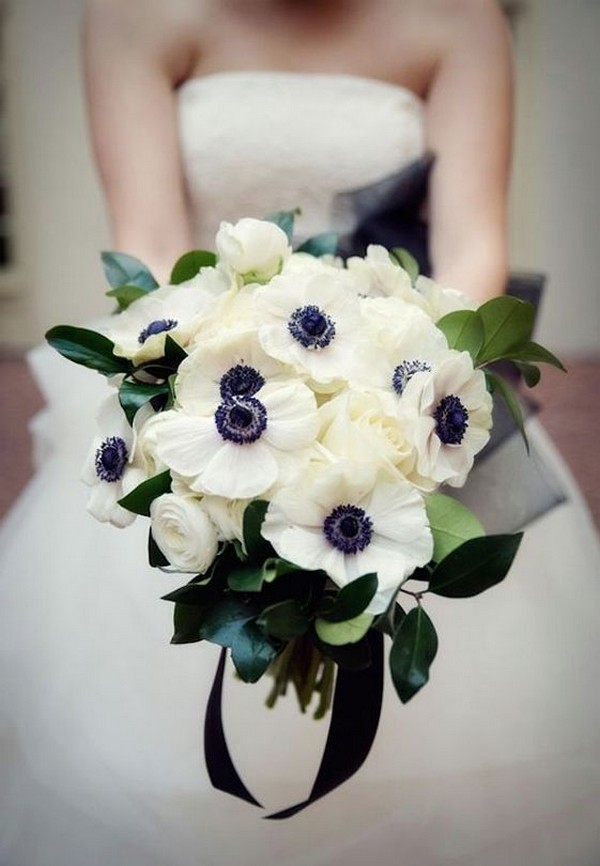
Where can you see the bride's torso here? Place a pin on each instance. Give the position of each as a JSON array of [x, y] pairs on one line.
[[260, 141]]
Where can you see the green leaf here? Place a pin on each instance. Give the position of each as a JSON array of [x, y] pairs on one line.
[[451, 523], [464, 331], [121, 269], [187, 623], [285, 220], [507, 326], [407, 261], [252, 652], [174, 353], [134, 395], [413, 650], [510, 398], [475, 566], [352, 599], [156, 557], [339, 633], [320, 245], [274, 567], [256, 547], [87, 348], [140, 499], [225, 619], [247, 579], [187, 266], [126, 295], [531, 374], [285, 620], [535, 354]]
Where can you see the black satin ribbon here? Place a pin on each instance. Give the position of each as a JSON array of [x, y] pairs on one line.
[[354, 720]]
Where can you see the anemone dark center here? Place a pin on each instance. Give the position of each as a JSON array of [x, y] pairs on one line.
[[240, 381], [451, 420], [241, 419], [348, 528], [311, 327], [404, 372], [156, 327], [111, 459]]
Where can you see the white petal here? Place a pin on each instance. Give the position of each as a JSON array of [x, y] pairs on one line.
[[240, 471]]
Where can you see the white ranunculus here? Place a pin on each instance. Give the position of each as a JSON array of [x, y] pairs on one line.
[[253, 249], [184, 532], [447, 415], [227, 515], [348, 521], [112, 468]]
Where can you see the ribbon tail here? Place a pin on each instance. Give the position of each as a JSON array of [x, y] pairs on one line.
[[221, 770]]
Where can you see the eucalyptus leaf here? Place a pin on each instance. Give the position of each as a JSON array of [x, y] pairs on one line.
[[188, 265], [246, 579], [348, 631], [407, 261], [451, 523], [285, 620], [507, 326], [413, 650], [141, 498], [126, 295], [475, 566], [352, 599], [252, 652], [225, 619], [285, 220], [134, 395], [499, 385], [122, 269], [87, 348], [324, 244], [463, 330]]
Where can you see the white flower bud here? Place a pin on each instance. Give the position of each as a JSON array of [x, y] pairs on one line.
[[254, 249]]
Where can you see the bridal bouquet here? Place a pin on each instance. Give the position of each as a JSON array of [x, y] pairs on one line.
[[287, 422]]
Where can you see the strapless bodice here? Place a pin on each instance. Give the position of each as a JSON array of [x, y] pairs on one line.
[[255, 142]]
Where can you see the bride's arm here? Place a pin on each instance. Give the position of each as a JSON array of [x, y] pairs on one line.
[[131, 70], [469, 129]]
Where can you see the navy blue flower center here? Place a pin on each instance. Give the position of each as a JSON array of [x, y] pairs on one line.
[[404, 372], [111, 459], [348, 528], [240, 381], [156, 327], [311, 327], [452, 420], [241, 419]]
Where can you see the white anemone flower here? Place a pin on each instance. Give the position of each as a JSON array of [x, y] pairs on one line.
[[240, 445], [449, 416], [406, 341], [438, 300], [349, 522], [110, 469], [311, 321], [380, 276], [140, 331]]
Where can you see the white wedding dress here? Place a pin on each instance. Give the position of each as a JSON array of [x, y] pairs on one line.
[[496, 762]]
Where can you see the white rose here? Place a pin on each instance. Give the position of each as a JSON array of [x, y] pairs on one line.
[[254, 249], [184, 532]]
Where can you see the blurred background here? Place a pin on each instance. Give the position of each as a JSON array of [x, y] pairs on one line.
[[52, 221]]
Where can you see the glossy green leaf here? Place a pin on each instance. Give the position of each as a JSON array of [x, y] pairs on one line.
[[274, 567], [413, 650], [174, 353], [187, 623], [352, 599], [463, 330], [320, 245], [451, 523], [407, 261], [499, 385], [87, 348], [252, 652], [530, 373], [187, 266], [507, 326], [533, 353], [285, 220], [225, 619], [256, 547], [134, 395], [126, 295], [285, 620], [247, 579], [348, 631], [475, 566], [140, 499], [156, 558], [122, 269]]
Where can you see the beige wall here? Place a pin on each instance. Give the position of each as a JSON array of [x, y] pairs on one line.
[[556, 187]]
